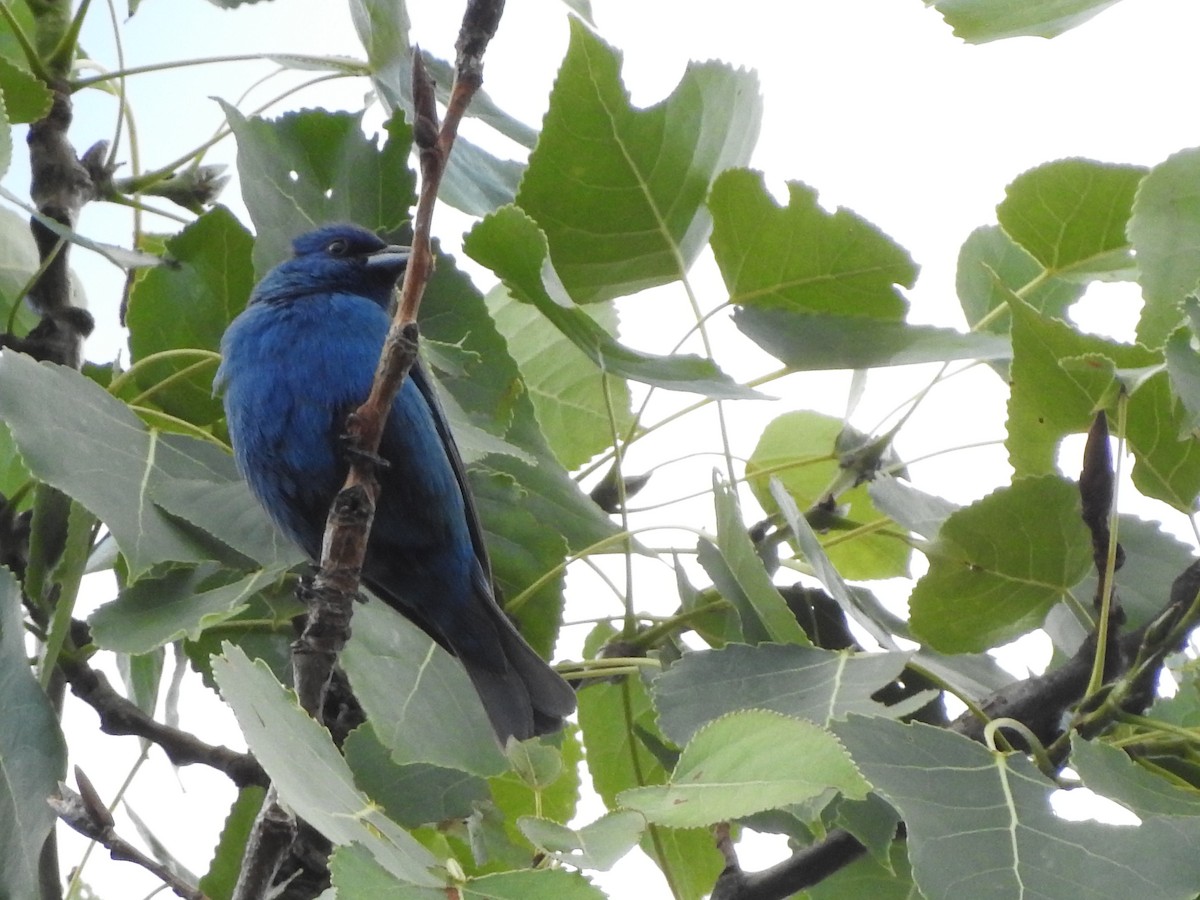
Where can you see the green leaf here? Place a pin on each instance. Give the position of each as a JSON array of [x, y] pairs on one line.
[[1153, 558], [619, 192], [990, 266], [979, 21], [66, 425], [598, 845], [417, 696], [618, 759], [566, 387], [998, 565], [1049, 402], [746, 762], [1165, 232], [1110, 772], [26, 99], [799, 449], [802, 682], [180, 602], [356, 875], [33, 755], [18, 261], [309, 773], [980, 824], [1071, 214], [801, 257], [510, 243], [308, 168], [6, 145], [867, 876], [188, 305], [415, 794], [812, 341], [221, 878], [1183, 366], [1166, 466], [475, 181], [739, 575]]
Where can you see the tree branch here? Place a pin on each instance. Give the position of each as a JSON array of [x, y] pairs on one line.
[[330, 598]]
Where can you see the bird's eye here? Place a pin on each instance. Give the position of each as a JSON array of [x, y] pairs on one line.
[[338, 247]]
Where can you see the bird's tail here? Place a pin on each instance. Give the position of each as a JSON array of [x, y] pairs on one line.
[[527, 698]]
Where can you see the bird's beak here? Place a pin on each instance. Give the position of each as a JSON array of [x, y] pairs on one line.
[[392, 258]]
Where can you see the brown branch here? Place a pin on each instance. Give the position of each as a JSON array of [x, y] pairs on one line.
[[118, 716], [85, 813]]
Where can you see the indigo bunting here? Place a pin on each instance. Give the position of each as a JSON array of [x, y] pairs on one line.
[[299, 359]]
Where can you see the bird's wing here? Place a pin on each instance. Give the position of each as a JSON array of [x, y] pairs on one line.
[[425, 386]]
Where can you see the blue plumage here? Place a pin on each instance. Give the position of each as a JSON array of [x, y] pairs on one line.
[[295, 363]]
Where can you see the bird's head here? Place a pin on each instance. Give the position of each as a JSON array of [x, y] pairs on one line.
[[335, 258]]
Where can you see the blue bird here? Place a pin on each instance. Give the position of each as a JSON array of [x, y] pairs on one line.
[[299, 359]]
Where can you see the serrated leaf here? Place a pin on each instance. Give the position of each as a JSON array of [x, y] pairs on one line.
[[801, 682], [510, 243], [979, 21], [18, 261], [32, 753], [26, 98], [309, 773], [1071, 214], [980, 824], [746, 762], [417, 696], [620, 191], [1165, 233], [802, 258], [998, 565]]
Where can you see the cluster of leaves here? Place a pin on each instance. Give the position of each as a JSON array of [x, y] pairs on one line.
[[786, 723]]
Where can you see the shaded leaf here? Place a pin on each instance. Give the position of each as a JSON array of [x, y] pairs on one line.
[[417, 696], [811, 341], [33, 755], [998, 565], [802, 682], [980, 824], [309, 773], [1165, 232]]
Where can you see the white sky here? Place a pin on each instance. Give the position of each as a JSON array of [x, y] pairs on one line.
[[873, 102]]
